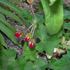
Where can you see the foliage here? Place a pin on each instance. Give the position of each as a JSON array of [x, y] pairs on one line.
[[49, 27], [51, 12], [7, 9]]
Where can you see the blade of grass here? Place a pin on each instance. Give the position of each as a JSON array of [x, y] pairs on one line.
[[10, 14], [23, 14], [2, 41], [8, 32], [2, 19]]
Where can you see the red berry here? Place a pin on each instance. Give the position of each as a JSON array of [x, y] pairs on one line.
[[27, 38], [18, 34], [31, 44]]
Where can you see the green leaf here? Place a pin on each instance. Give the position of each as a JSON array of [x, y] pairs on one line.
[[63, 63], [51, 43], [40, 47], [52, 2], [10, 14], [53, 16], [24, 15], [42, 34], [15, 1], [8, 32], [2, 16], [2, 41], [7, 59], [28, 66], [66, 14], [67, 26], [29, 54], [41, 63], [2, 19]]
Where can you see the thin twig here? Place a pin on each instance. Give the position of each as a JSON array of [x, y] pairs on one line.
[[29, 27], [32, 10]]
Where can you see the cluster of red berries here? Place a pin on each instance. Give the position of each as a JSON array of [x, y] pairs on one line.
[[31, 42]]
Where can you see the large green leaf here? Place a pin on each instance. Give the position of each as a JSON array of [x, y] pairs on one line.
[[48, 43], [53, 16]]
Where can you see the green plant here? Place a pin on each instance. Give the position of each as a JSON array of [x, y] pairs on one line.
[[53, 10], [8, 9], [43, 46]]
